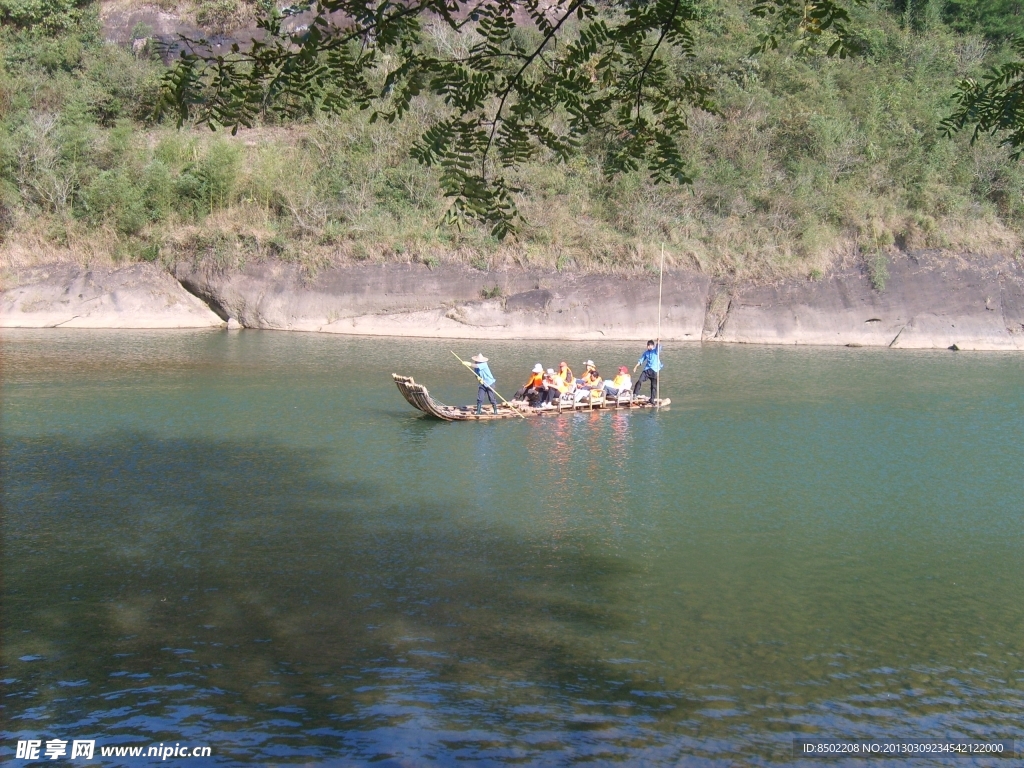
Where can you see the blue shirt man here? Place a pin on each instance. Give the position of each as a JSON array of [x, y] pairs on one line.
[[487, 380], [651, 362], [651, 358]]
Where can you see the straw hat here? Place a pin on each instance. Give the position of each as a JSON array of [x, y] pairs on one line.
[[590, 364], [478, 358], [538, 368]]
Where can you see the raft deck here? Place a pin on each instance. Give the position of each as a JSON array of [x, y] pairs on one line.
[[420, 399]]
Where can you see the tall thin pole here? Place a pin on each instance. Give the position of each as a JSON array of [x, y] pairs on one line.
[[661, 282]]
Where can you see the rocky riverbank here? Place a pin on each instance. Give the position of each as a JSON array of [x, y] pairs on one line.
[[928, 301], [71, 296]]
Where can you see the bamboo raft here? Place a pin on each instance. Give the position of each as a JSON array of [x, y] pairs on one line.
[[420, 399]]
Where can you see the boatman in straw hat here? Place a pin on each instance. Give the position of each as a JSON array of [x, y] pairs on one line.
[[487, 381]]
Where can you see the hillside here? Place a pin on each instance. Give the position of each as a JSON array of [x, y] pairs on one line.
[[811, 163]]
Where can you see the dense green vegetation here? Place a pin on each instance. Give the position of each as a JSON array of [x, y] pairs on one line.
[[527, 80], [995, 19], [810, 159]]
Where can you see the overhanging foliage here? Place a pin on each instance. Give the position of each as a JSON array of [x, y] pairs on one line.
[[994, 105], [534, 77]]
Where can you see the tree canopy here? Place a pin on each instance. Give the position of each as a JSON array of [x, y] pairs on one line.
[[532, 77]]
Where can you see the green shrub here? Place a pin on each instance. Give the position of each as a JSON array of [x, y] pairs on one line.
[[209, 183], [157, 187], [48, 15], [114, 197], [149, 251], [996, 19], [878, 270]]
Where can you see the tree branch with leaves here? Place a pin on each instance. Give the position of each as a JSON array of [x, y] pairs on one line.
[[538, 77], [994, 105]]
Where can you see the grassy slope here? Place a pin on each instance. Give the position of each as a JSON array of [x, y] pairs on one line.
[[813, 161]]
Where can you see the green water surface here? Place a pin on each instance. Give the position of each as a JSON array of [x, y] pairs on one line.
[[251, 541]]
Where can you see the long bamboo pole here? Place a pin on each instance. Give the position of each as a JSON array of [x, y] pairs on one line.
[[661, 281]]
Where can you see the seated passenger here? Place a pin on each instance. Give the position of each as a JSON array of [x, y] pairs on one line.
[[533, 390], [591, 380], [555, 385], [565, 374], [620, 384]]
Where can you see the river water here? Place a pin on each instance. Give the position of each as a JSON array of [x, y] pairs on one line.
[[250, 541]]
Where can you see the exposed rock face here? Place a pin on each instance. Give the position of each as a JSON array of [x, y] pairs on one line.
[[67, 296], [448, 302], [928, 302], [172, 33]]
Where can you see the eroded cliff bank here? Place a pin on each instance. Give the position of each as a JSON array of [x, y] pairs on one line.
[[71, 296], [928, 301]]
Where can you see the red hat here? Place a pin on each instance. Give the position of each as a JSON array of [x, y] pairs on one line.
[[623, 369]]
